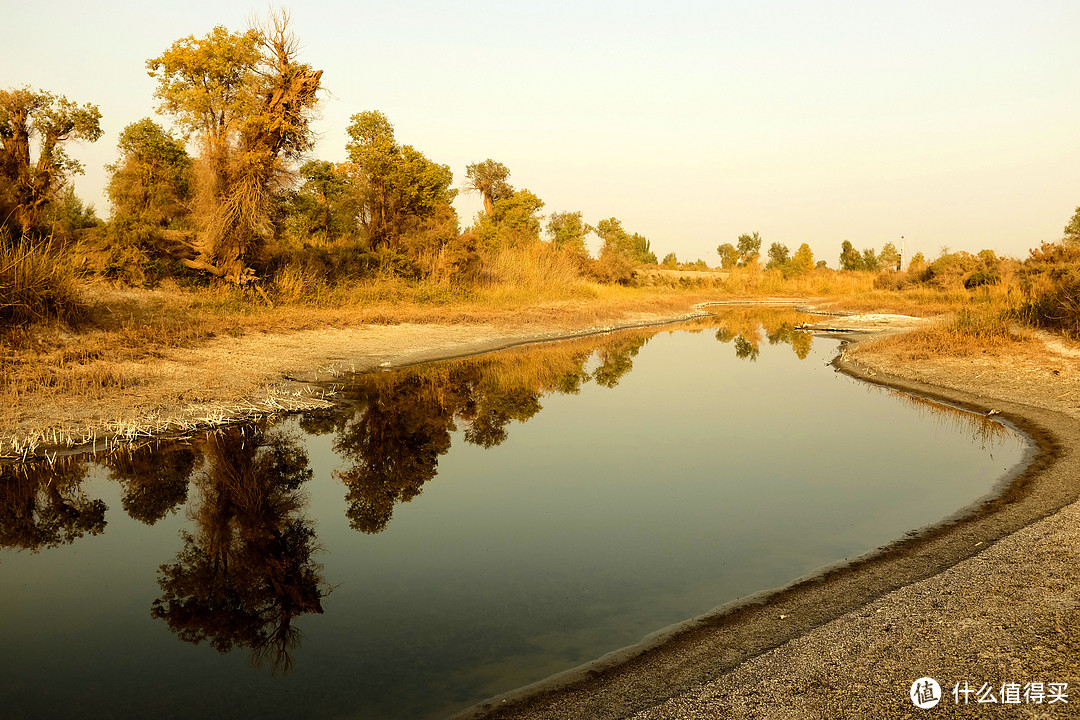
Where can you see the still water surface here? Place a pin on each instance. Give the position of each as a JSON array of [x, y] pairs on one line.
[[463, 528]]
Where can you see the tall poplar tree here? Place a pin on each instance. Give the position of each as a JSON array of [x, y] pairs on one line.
[[248, 102]]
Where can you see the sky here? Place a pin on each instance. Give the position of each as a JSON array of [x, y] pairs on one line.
[[952, 124]]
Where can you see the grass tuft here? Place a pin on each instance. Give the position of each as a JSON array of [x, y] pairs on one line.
[[36, 283], [970, 331]]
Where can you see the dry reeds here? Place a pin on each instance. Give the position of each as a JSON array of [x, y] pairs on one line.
[[755, 281], [1054, 302], [36, 283], [534, 270], [967, 332]]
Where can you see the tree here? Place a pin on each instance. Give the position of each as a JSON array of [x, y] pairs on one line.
[[374, 153], [489, 179], [729, 256], [28, 118], [869, 260], [802, 262], [778, 257], [917, 264], [399, 187], [325, 204], [151, 182], [670, 262], [889, 258], [567, 231], [68, 213], [634, 248], [749, 247], [518, 216], [249, 103], [643, 254], [515, 221], [850, 259], [1071, 236]]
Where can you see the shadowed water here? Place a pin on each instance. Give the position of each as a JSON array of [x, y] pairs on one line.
[[463, 528]]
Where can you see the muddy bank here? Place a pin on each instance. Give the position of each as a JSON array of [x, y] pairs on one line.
[[696, 670]]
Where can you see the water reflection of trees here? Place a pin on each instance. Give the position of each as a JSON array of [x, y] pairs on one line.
[[246, 572], [43, 504], [154, 478], [744, 326], [403, 419], [394, 444]]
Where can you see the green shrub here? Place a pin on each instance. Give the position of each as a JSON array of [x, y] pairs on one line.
[[981, 277]]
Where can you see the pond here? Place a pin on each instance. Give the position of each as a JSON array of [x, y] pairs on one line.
[[463, 528]]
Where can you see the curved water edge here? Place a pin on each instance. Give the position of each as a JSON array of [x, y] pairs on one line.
[[683, 663], [686, 654]]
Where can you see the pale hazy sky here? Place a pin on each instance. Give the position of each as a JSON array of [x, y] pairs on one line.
[[950, 123]]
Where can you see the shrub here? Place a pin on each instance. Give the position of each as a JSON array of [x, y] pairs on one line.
[[1053, 302], [981, 276], [36, 283]]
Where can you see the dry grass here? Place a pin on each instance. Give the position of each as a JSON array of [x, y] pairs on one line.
[[754, 281], [532, 272], [1053, 301], [36, 283], [967, 332]]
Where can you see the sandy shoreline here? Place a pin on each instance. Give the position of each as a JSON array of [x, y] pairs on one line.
[[994, 599], [229, 380]]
